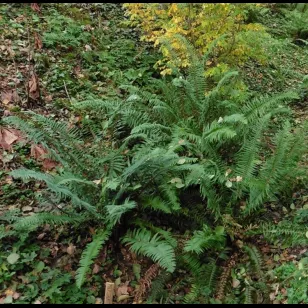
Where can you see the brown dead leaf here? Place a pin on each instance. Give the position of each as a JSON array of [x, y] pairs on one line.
[[122, 290], [96, 269], [8, 137], [71, 249], [16, 295], [48, 98], [235, 283], [33, 87], [7, 97], [35, 7], [37, 41], [9, 292], [40, 236], [27, 208], [38, 152], [49, 164], [7, 113]]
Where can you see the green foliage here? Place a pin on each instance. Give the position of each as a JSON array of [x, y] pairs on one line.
[[206, 239], [294, 279], [89, 254], [182, 153], [154, 247]]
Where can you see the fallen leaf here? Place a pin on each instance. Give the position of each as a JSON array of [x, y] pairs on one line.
[[27, 208], [13, 258], [40, 236], [98, 301], [16, 295], [37, 302], [122, 297], [33, 87], [229, 184], [49, 164], [122, 290], [9, 292], [87, 47], [7, 97], [96, 269], [7, 138], [71, 249], [35, 7], [235, 283], [8, 300], [239, 178], [39, 153], [48, 98]]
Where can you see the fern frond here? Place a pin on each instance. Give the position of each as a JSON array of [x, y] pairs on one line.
[[89, 254], [206, 239], [36, 220], [116, 211], [159, 251]]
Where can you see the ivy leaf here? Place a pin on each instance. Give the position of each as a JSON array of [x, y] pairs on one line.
[[13, 258]]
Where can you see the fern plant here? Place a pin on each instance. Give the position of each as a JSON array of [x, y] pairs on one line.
[[136, 158]]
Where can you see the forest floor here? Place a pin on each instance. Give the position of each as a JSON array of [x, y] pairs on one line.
[[43, 69]]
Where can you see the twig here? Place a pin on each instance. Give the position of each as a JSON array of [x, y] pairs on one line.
[[66, 91]]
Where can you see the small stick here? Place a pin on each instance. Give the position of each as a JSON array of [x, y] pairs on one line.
[[66, 91]]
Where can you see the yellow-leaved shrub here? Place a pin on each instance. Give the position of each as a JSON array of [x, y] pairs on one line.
[[200, 24]]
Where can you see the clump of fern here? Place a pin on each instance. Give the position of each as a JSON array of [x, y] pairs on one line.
[[138, 156]]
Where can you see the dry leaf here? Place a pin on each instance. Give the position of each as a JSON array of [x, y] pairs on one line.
[[49, 164], [40, 236], [16, 295], [96, 269], [33, 87], [37, 302], [122, 297], [71, 249], [9, 292], [87, 47], [97, 181], [122, 290], [98, 301], [35, 7], [38, 152], [48, 98], [6, 97], [27, 208], [7, 138], [235, 283]]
